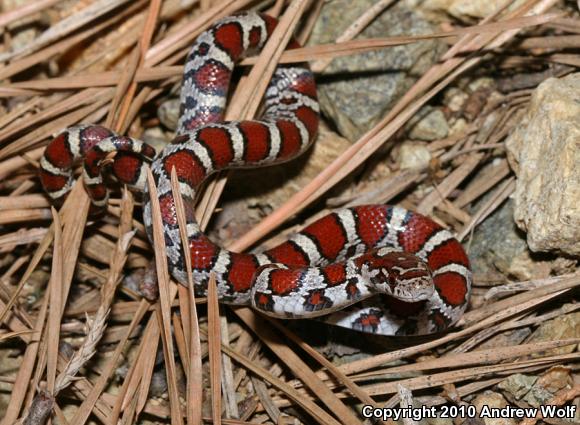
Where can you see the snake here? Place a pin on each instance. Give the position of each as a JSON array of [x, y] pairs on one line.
[[379, 269]]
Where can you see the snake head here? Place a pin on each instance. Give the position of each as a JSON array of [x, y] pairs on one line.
[[399, 274]]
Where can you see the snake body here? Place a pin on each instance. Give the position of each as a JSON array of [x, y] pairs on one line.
[[377, 268]]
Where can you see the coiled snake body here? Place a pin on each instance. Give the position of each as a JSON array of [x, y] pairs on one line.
[[417, 269]]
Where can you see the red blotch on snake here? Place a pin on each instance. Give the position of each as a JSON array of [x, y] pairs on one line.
[[229, 38], [126, 168], [218, 141], [203, 253], [212, 77], [417, 232], [335, 274], [187, 167], [255, 35], [288, 253], [259, 135], [290, 134], [92, 135], [451, 287], [447, 252], [52, 183], [58, 152], [319, 230], [309, 118], [370, 224], [284, 281], [98, 192], [241, 272]]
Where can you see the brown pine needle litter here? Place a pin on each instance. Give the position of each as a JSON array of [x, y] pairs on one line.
[[78, 342]]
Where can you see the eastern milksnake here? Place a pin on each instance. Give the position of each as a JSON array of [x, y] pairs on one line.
[[421, 271]]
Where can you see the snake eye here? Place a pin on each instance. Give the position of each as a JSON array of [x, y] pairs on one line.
[[391, 277]]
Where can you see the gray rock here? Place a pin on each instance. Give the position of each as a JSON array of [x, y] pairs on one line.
[[156, 138], [413, 156], [498, 244], [496, 241], [537, 391], [538, 396], [356, 91], [454, 98], [544, 152], [468, 9], [429, 125], [168, 113], [518, 384], [566, 326]]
